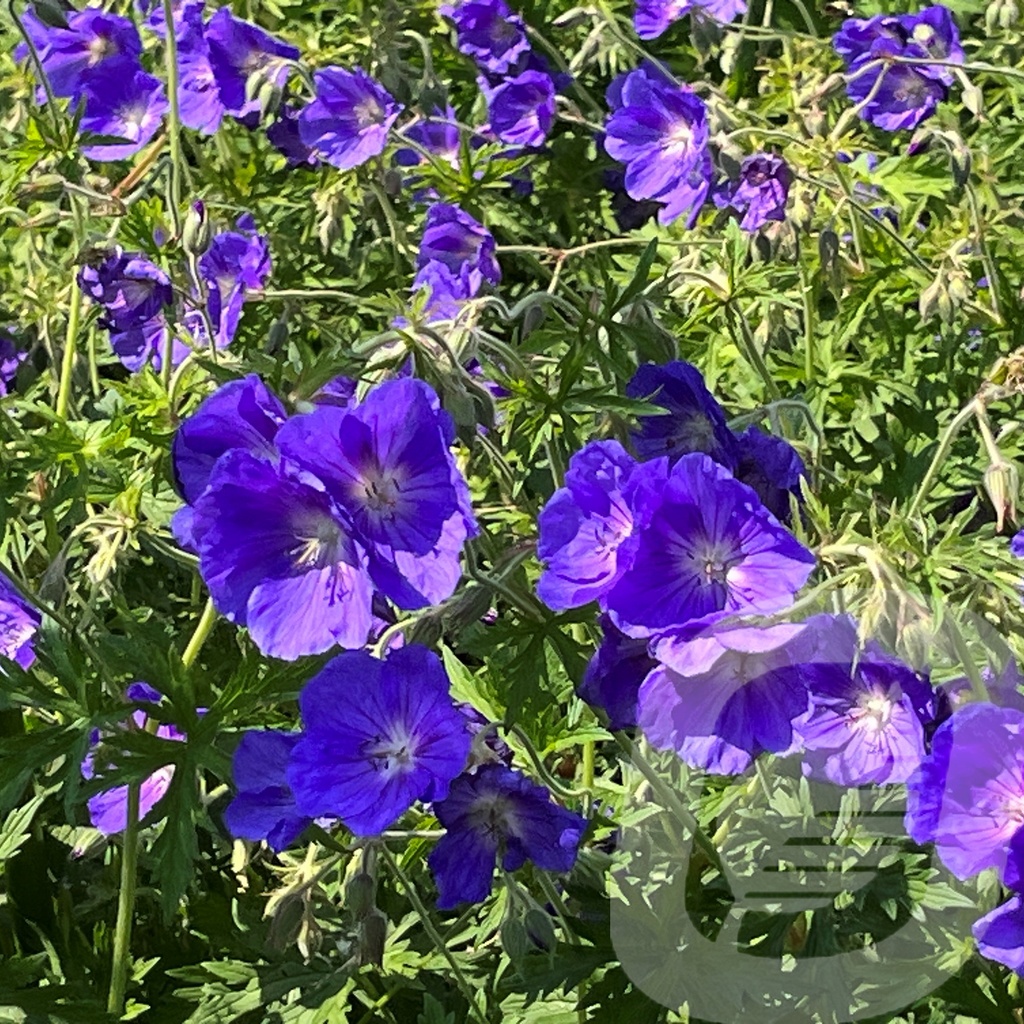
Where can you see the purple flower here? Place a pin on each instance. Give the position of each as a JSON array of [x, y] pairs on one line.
[[905, 94], [264, 805], [771, 466], [487, 745], [94, 44], [379, 735], [967, 796], [456, 257], [761, 191], [489, 33], [130, 287], [281, 557], [708, 548], [521, 109], [653, 17], [348, 122], [240, 414], [12, 355], [437, 134], [614, 674], [236, 264], [19, 623], [199, 98], [587, 530], [183, 13], [724, 694], [123, 105], [1017, 545], [695, 422], [108, 810], [659, 130], [496, 814], [146, 343], [1000, 934], [867, 716], [285, 138], [387, 461], [239, 49]]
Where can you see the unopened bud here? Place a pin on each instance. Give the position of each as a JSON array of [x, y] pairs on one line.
[[196, 234], [372, 939], [277, 336], [540, 929], [514, 938], [1002, 482], [360, 894]]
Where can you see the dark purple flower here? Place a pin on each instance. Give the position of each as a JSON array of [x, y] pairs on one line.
[[239, 49], [456, 257], [1017, 545], [695, 421], [123, 105], [264, 805], [487, 745], [489, 33], [12, 355], [379, 735], [280, 556], [437, 134], [866, 724], [240, 414], [108, 810], [496, 815], [521, 109], [761, 191], [340, 390], [588, 528], [725, 693], [130, 288], [19, 623], [146, 343], [771, 466], [348, 122], [236, 264], [653, 17], [659, 130], [285, 138], [94, 44], [614, 674], [629, 213], [898, 96], [708, 548], [967, 796]]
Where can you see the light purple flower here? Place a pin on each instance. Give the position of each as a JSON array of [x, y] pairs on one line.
[[489, 33], [653, 17], [521, 110], [760, 192], [19, 623]]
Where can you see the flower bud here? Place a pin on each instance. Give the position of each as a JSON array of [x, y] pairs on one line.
[[540, 929], [1002, 482], [372, 939], [514, 938], [360, 893], [196, 234]]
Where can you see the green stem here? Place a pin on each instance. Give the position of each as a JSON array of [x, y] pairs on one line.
[[748, 346], [174, 117], [435, 936], [978, 687], [67, 365], [555, 899], [122, 962], [670, 799], [948, 437], [204, 627], [807, 297], [550, 781]]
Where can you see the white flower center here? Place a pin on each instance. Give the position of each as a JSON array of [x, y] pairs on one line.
[[394, 754]]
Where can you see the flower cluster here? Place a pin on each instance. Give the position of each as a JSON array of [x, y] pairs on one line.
[[380, 736], [299, 522], [653, 17], [899, 95], [94, 58], [516, 82], [456, 258], [138, 299]]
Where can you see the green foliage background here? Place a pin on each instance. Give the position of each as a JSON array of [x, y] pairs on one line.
[[883, 347]]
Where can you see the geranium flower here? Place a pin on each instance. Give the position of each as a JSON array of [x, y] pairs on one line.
[[19, 623], [379, 736], [493, 815], [124, 105], [653, 17], [760, 192], [489, 33]]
